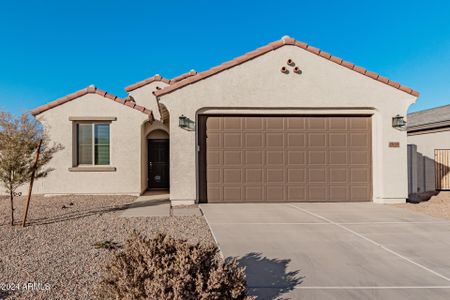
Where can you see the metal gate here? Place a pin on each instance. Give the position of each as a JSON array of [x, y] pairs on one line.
[[442, 168]]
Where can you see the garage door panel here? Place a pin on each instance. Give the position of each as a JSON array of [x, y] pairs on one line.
[[359, 140], [274, 193], [254, 176], [214, 124], [253, 124], [215, 193], [317, 157], [254, 157], [317, 193], [338, 123], [337, 157], [254, 194], [274, 124], [296, 193], [359, 175], [338, 175], [253, 140], [215, 140], [232, 157], [215, 176], [275, 140], [232, 194], [296, 175], [214, 158], [337, 139], [359, 193], [295, 124], [339, 193], [359, 123], [275, 175], [359, 157], [317, 175], [296, 157], [316, 124], [232, 140], [317, 139], [277, 159], [296, 139], [232, 123], [232, 176]]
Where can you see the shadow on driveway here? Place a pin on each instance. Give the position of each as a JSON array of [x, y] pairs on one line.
[[268, 278]]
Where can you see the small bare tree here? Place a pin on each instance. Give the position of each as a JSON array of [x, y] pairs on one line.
[[19, 139]]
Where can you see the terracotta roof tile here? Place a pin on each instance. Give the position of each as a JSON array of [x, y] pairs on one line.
[[90, 90], [183, 76], [336, 59], [139, 84], [275, 45]]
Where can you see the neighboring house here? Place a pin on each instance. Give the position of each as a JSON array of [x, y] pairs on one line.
[[429, 150], [286, 122]]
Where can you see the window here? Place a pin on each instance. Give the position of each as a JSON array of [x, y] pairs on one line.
[[93, 144]]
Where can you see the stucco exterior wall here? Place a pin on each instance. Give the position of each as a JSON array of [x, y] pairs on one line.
[[422, 174], [258, 86], [143, 96], [125, 149]]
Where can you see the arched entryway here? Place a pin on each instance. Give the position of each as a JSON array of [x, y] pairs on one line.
[[158, 160]]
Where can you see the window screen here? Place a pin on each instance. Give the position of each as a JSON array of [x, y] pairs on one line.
[[93, 144]]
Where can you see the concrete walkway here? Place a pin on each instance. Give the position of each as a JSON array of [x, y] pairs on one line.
[[157, 204], [149, 205], [335, 250]]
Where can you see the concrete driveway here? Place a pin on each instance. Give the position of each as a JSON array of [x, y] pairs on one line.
[[335, 251]]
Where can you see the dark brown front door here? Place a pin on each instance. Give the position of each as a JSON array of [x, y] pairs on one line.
[[158, 164], [285, 158]]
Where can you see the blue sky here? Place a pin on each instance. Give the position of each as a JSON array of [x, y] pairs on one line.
[[51, 48]]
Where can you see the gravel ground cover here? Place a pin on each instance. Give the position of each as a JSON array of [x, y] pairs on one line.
[[438, 206], [57, 251]]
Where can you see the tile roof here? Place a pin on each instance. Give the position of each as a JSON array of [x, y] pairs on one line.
[[183, 76], [139, 84], [433, 117], [275, 45], [92, 90], [158, 77]]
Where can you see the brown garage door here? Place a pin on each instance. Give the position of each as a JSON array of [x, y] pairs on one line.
[[281, 159]]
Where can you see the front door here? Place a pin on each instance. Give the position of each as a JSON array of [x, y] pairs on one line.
[[158, 164]]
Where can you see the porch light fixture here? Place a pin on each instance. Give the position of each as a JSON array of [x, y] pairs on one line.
[[398, 122], [186, 123]]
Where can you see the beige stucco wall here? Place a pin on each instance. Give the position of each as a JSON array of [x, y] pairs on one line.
[[422, 175], [125, 150], [143, 96], [258, 86]]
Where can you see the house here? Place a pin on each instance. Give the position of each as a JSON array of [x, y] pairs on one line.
[[429, 150], [285, 122]]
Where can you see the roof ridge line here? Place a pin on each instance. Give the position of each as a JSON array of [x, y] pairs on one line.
[[146, 81]]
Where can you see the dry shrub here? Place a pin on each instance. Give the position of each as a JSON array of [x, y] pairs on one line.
[[168, 268]]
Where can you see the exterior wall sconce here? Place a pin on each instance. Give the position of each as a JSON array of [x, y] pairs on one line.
[[398, 122], [186, 123]]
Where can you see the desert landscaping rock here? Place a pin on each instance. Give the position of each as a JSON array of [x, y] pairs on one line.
[[438, 206], [59, 246]]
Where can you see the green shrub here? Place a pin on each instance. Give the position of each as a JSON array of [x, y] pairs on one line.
[[167, 268]]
